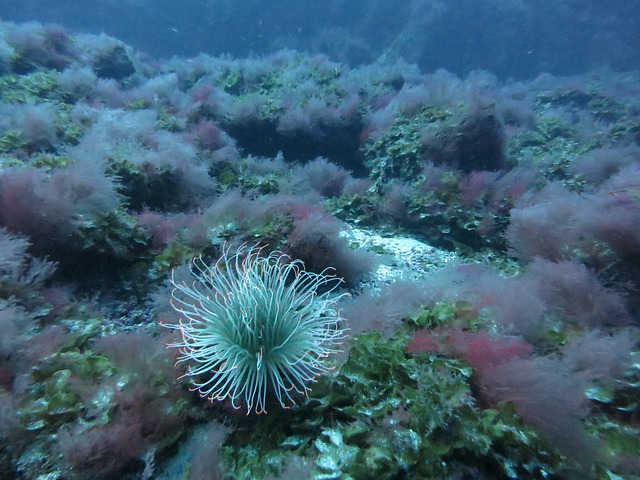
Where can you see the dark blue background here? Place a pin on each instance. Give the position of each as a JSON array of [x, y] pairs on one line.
[[518, 38]]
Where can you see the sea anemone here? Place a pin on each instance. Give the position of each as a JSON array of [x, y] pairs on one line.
[[255, 326]]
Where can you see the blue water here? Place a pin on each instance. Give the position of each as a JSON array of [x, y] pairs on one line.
[[511, 38]]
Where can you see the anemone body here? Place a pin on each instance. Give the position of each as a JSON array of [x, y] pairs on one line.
[[255, 327]]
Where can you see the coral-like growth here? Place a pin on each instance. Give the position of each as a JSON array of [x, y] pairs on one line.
[[254, 326]]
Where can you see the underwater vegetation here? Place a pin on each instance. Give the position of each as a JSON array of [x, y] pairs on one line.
[[508, 348]]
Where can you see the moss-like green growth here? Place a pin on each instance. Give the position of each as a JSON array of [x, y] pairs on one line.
[[232, 82], [459, 314], [240, 175], [146, 184], [617, 410], [438, 214], [36, 87], [130, 383], [602, 107], [40, 87], [138, 104], [361, 209], [175, 253], [53, 396], [169, 122], [399, 154], [11, 140], [553, 145], [50, 161], [114, 234], [388, 415], [548, 137]]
